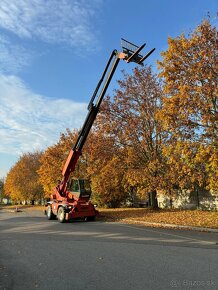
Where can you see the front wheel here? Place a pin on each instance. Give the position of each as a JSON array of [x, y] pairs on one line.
[[61, 215], [49, 213]]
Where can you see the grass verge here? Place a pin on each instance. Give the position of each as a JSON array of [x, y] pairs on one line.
[[193, 218]]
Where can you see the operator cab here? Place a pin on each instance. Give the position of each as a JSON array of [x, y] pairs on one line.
[[80, 188]]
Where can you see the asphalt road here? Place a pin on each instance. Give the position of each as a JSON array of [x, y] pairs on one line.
[[39, 254]]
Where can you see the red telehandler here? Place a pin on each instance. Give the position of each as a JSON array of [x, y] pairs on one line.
[[71, 197]]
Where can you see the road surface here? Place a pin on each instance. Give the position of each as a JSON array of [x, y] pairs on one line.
[[39, 254]]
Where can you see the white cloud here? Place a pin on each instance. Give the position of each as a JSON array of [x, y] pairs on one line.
[[12, 56], [52, 21], [29, 121]]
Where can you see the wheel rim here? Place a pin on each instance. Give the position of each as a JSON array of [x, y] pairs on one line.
[[61, 214], [49, 211]]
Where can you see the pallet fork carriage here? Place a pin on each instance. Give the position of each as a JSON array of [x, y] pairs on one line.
[[71, 197]]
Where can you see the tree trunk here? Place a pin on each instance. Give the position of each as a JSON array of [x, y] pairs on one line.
[[197, 198], [149, 199], [154, 203], [171, 202]]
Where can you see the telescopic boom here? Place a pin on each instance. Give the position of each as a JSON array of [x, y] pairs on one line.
[[130, 54]]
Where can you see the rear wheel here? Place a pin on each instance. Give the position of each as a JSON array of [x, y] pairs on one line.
[[91, 218], [61, 215], [49, 213]]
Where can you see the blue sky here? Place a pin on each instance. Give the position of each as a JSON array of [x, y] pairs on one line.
[[53, 52]]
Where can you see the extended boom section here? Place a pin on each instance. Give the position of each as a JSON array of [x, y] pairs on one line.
[[71, 197]]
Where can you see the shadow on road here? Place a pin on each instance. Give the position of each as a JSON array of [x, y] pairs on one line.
[[34, 225]]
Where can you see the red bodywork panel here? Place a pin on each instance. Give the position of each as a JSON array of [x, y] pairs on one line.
[[71, 162], [69, 167], [75, 207]]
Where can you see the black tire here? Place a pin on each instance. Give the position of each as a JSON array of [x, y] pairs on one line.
[[91, 218], [61, 215], [49, 213]]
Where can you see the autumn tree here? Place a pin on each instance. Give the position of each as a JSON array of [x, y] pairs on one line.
[[130, 117], [1, 189], [97, 153], [190, 110], [22, 181], [53, 159], [109, 184], [105, 169]]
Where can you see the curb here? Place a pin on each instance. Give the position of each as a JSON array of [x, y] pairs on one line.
[[162, 225]]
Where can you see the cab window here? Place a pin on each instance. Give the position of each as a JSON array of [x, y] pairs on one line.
[[75, 186], [85, 185]]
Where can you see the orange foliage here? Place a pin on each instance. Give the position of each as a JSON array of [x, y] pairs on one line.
[[53, 159], [22, 181], [190, 110]]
